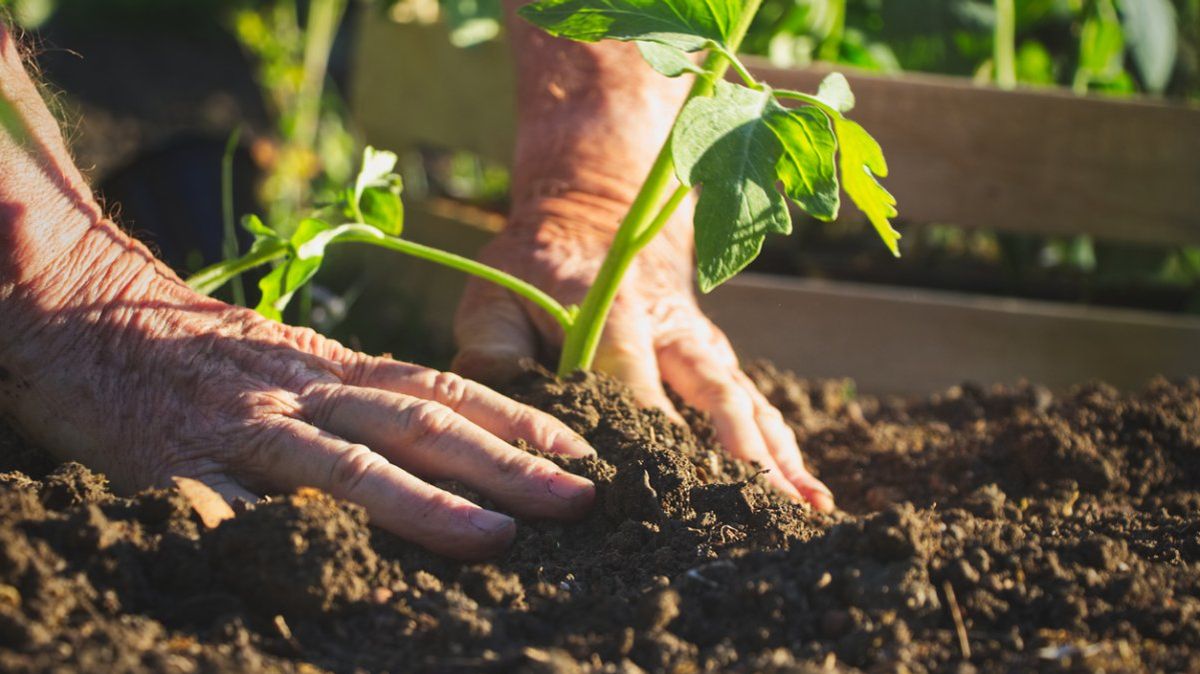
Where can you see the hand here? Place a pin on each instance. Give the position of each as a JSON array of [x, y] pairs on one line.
[[655, 333], [112, 361]]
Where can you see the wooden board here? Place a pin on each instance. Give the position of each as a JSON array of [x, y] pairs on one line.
[[411, 87], [919, 341]]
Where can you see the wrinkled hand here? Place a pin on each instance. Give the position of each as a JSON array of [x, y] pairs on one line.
[[655, 333], [112, 361]]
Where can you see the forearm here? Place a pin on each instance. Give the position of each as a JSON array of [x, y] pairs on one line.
[[58, 255], [591, 119]]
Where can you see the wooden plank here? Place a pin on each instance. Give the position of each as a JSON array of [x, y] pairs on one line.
[[920, 341], [411, 87], [1032, 160]]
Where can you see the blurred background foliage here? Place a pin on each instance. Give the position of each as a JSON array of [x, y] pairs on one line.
[[297, 54]]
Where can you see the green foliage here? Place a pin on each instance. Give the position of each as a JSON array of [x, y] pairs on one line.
[[684, 24], [738, 144], [373, 199]]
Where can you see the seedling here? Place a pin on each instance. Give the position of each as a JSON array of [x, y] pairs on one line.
[[738, 142]]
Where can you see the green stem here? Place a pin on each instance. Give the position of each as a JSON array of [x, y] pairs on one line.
[[645, 213], [208, 280], [1005, 47], [563, 315], [230, 244]]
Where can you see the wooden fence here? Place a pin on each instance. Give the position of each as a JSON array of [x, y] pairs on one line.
[[1033, 161]]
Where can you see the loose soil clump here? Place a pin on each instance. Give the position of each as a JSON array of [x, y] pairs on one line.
[[982, 531]]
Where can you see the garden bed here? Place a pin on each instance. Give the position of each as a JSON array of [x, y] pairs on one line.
[[1009, 529]]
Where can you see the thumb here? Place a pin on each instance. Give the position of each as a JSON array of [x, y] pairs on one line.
[[493, 334]]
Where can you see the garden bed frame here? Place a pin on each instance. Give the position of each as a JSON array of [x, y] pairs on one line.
[[1034, 161]]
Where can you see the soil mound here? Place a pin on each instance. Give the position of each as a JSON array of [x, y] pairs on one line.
[[987, 530]]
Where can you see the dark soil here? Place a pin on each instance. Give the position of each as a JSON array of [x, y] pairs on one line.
[[984, 530]]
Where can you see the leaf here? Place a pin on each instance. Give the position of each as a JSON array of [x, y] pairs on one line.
[[382, 208], [1151, 27], [835, 91], [377, 170], [667, 60], [254, 224], [862, 162], [308, 247], [690, 25], [738, 144]]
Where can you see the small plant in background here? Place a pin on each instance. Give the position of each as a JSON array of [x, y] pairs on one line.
[[370, 212]]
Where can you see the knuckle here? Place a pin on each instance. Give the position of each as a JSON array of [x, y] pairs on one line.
[[449, 389], [427, 421], [439, 509], [351, 468], [721, 394]]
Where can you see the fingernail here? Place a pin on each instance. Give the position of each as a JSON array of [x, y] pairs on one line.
[[570, 487], [491, 522]]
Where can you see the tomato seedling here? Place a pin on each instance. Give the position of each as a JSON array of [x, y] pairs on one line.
[[737, 142]]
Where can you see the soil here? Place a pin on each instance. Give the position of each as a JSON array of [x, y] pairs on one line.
[[982, 530]]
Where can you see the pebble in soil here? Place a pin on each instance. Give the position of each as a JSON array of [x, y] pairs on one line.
[[995, 529]]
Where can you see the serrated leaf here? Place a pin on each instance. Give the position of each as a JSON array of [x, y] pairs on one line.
[[835, 91], [667, 60], [738, 144], [862, 163], [689, 25]]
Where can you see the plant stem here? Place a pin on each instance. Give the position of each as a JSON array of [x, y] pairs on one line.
[[230, 243], [563, 315], [1005, 44], [208, 280], [579, 347]]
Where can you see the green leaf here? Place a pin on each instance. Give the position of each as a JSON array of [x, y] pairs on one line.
[[668, 60], [307, 247], [861, 160], [254, 224], [738, 144], [689, 25], [281, 284], [835, 91], [382, 208]]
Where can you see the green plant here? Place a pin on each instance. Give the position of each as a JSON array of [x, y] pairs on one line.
[[368, 212], [736, 141]]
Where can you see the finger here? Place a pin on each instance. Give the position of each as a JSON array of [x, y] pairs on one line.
[[781, 442], [297, 454], [432, 441], [627, 353], [500, 416], [697, 372], [493, 334]]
